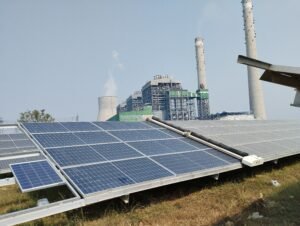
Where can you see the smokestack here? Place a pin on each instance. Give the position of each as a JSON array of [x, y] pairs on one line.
[[200, 63], [107, 107], [202, 92], [256, 98]]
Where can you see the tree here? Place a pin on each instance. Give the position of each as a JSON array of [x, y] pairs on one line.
[[35, 116]]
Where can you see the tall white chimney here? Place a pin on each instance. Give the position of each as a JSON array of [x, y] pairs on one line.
[[256, 98], [200, 63]]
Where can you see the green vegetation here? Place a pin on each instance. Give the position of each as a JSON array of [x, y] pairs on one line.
[[35, 116], [229, 201]]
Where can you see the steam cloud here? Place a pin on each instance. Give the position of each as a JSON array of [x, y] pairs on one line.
[[110, 85]]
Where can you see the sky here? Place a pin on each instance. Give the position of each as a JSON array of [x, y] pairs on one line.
[[61, 55]]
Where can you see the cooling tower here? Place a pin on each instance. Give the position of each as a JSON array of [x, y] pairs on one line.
[[256, 99], [107, 107]]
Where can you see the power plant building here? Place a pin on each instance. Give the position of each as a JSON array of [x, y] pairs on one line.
[[135, 102]]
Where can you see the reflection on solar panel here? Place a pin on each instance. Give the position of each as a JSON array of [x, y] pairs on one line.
[[122, 125], [44, 127], [80, 126], [162, 146], [13, 142], [134, 135], [125, 154], [95, 137], [268, 139], [49, 140], [68, 156], [35, 175]]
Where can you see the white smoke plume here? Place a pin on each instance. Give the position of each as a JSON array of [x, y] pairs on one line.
[[110, 86]]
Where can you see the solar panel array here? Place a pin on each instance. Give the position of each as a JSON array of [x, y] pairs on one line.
[[100, 156], [15, 147], [13, 141], [35, 175], [4, 163], [265, 138]]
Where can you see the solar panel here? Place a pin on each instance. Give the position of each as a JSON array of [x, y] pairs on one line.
[[135, 135], [98, 177], [122, 154], [4, 163], [18, 136], [68, 156], [265, 138], [46, 127], [141, 170], [156, 147], [95, 137], [122, 125], [204, 159], [13, 142], [49, 140], [80, 126], [4, 137], [178, 163], [35, 175], [116, 151]]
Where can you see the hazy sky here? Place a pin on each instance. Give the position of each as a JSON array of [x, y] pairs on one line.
[[61, 55]]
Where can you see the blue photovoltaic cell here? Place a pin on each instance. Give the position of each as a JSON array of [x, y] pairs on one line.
[[96, 137], [204, 160], [178, 163], [142, 169], [98, 177], [116, 151], [49, 140], [135, 135], [80, 126], [69, 156], [122, 125], [34, 175], [45, 127], [157, 147]]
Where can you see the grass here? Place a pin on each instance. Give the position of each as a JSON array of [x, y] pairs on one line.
[[229, 201]]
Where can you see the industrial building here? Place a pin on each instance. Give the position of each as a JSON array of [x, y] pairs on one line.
[[166, 98], [135, 102]]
